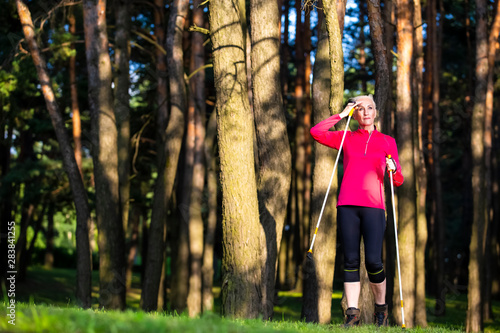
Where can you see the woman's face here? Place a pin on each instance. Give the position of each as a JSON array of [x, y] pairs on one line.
[[365, 112]]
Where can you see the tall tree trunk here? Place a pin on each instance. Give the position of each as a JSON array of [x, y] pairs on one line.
[[467, 154], [427, 129], [177, 85], [241, 265], [474, 322], [84, 263], [307, 109], [285, 53], [406, 198], [488, 143], [121, 103], [437, 193], [386, 119], [208, 252], [362, 46], [105, 156], [273, 180], [300, 150], [383, 90], [197, 103], [327, 100], [169, 149], [75, 110], [420, 170], [133, 241], [49, 238]]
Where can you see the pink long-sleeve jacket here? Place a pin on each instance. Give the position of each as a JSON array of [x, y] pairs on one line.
[[364, 163]]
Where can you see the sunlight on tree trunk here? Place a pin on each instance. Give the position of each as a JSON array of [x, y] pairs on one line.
[[241, 264], [420, 170], [84, 278], [474, 322], [406, 194], [272, 139]]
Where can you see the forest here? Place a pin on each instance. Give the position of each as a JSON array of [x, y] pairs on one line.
[[165, 146]]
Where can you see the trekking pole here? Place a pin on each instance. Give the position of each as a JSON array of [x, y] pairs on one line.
[[397, 249], [309, 253]]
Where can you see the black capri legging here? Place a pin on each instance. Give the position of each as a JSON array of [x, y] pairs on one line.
[[353, 222]]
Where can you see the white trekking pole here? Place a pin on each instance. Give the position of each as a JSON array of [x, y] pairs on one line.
[[309, 253], [397, 249]]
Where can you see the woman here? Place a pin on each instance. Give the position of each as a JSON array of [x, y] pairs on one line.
[[361, 204]]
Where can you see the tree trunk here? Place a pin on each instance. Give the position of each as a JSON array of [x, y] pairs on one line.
[[420, 170], [272, 139], [406, 198], [488, 143], [386, 119], [474, 322], [436, 172], [328, 72], [133, 241], [208, 252], [169, 149], [383, 90], [84, 263], [105, 155], [121, 103], [300, 150], [241, 264], [362, 45], [197, 103], [49, 238], [75, 110]]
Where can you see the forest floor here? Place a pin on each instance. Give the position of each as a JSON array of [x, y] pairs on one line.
[[45, 303]]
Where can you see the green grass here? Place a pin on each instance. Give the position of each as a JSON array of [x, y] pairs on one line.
[[46, 303], [43, 318]]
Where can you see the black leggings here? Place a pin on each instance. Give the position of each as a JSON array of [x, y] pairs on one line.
[[354, 222]]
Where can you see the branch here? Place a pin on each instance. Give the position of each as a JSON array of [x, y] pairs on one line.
[[149, 39], [199, 29], [199, 69]]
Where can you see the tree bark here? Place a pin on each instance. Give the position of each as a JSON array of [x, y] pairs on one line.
[[49, 236], [75, 110], [383, 90], [241, 265], [406, 196], [273, 180], [420, 170], [488, 143], [121, 103], [84, 263], [105, 152], [208, 252], [197, 103], [328, 72], [168, 151], [362, 46], [474, 322]]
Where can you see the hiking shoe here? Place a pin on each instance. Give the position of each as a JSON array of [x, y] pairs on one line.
[[351, 317], [380, 315]]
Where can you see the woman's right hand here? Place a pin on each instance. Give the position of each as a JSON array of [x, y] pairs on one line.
[[350, 104]]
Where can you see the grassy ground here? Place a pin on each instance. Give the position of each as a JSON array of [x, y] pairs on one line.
[[45, 303]]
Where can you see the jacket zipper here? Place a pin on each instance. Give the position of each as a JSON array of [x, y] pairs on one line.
[[366, 145]]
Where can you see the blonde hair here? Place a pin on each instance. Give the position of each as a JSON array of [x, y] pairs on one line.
[[370, 96]]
